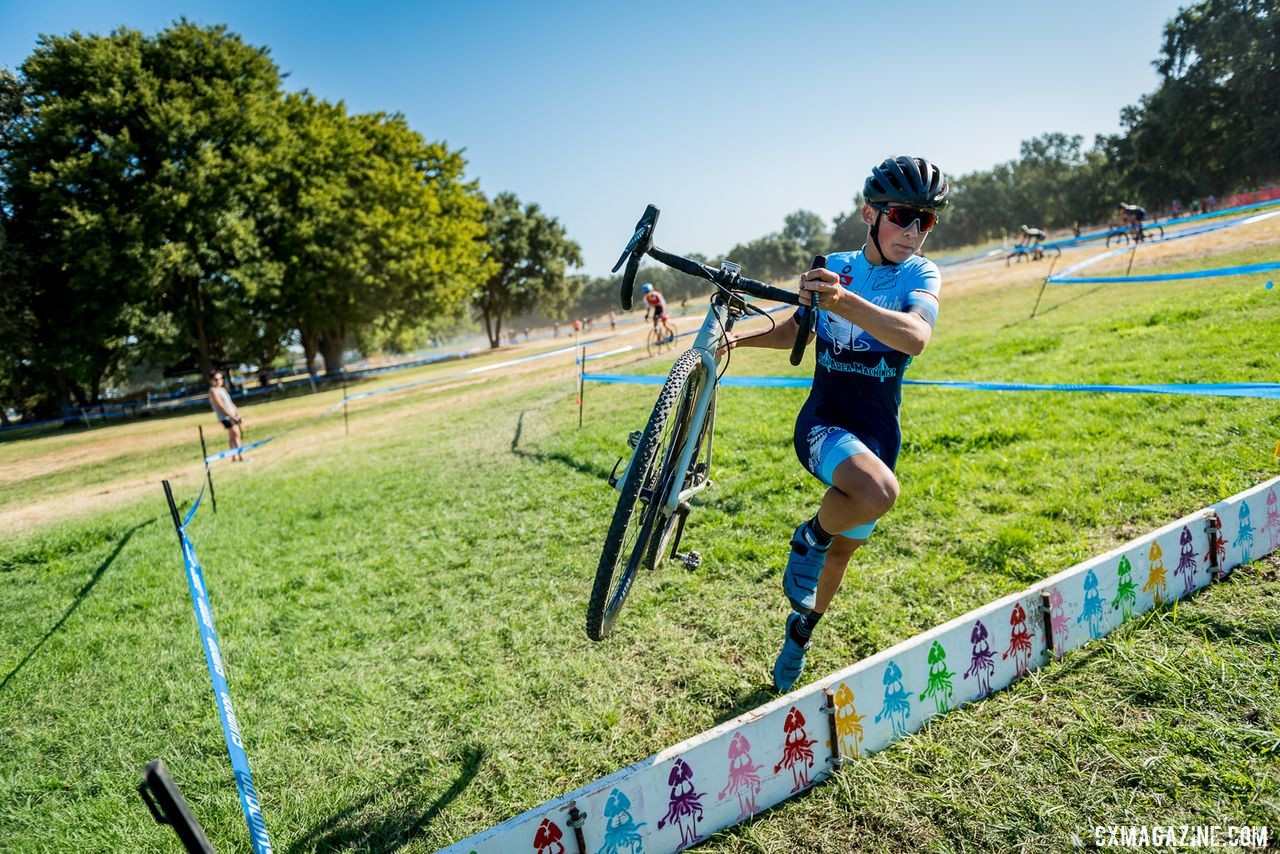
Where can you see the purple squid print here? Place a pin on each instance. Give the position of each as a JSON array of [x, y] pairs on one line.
[[1186, 561], [981, 665], [685, 806], [1058, 622]]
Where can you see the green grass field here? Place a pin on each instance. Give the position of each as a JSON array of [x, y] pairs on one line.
[[401, 610]]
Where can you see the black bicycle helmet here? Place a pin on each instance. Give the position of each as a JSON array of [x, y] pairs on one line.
[[908, 180]]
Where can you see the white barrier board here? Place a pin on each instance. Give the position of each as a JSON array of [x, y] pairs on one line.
[[685, 793]]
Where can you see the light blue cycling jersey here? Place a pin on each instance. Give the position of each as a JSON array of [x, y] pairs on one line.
[[858, 380], [857, 384]]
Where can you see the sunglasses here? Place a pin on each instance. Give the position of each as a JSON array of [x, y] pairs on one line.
[[902, 217]]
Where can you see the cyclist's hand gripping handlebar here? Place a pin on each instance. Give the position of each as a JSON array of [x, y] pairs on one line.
[[640, 243], [806, 325]]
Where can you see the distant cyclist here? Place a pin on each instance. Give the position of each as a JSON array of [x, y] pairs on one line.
[[656, 303], [1132, 216], [876, 309], [1030, 239]]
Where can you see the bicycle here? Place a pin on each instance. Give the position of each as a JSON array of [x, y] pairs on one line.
[[659, 340], [670, 458], [1122, 235], [1030, 253]]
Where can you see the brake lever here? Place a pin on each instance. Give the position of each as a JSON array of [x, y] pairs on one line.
[[806, 327]]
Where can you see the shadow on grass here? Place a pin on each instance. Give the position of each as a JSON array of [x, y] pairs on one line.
[[556, 457], [81, 594], [1039, 311], [364, 826]]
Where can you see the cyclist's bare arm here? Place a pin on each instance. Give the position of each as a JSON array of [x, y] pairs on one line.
[[780, 337], [904, 331]]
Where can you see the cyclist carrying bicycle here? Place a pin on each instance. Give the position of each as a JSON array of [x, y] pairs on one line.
[[876, 309], [1132, 217], [654, 301]]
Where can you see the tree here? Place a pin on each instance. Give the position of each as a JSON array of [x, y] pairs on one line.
[[808, 231], [208, 135], [382, 231], [69, 169], [528, 253], [1213, 123]]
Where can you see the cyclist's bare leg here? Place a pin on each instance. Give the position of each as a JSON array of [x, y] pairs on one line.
[[842, 549], [864, 490]]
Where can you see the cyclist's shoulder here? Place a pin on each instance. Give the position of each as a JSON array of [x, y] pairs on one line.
[[921, 267]]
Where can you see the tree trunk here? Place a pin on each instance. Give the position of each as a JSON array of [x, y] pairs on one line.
[[203, 351], [332, 343], [310, 347]]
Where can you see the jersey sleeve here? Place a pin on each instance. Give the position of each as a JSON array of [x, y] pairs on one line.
[[923, 292]]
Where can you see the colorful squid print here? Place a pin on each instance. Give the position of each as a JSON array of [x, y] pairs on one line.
[[1019, 640], [981, 664], [744, 777], [797, 752], [684, 808], [939, 687]]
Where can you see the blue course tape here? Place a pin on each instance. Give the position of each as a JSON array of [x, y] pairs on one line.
[[1269, 391], [1169, 277], [231, 452], [1065, 277], [222, 694]]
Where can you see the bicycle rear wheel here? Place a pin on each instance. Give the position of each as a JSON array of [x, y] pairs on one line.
[[637, 515], [653, 342]]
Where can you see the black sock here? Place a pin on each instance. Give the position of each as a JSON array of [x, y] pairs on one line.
[[821, 537], [802, 629]]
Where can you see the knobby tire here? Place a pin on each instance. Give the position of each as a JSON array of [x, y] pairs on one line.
[[636, 516]]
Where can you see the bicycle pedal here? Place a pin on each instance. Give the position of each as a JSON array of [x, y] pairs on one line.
[[633, 438], [691, 559]]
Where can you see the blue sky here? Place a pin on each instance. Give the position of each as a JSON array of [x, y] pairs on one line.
[[727, 115]]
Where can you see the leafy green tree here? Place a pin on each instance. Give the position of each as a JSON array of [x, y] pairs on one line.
[[848, 230], [1213, 123], [208, 138], [69, 166], [528, 254], [808, 231], [382, 233]]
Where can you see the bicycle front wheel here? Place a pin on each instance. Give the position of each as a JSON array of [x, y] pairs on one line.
[[653, 341], [637, 516]]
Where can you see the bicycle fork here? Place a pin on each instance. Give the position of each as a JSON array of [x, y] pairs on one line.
[[702, 406]]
